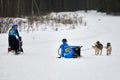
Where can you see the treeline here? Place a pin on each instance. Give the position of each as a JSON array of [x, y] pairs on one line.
[[18, 8]]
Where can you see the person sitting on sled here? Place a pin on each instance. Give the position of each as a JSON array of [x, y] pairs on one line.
[[66, 50], [13, 37]]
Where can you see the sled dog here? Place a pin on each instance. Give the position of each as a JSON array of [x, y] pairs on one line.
[[108, 49], [98, 48]]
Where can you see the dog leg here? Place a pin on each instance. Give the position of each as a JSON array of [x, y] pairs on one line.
[[101, 52], [97, 53], [107, 53]]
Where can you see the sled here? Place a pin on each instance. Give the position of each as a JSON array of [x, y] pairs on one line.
[[20, 49], [77, 50]]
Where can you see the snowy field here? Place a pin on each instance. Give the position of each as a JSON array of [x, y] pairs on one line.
[[40, 62]]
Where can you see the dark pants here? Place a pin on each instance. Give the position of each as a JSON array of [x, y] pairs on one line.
[[77, 51], [14, 44]]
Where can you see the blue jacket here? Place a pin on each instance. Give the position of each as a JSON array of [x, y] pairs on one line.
[[13, 32], [66, 51]]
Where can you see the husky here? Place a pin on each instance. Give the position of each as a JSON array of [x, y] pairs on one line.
[[108, 49], [98, 48]]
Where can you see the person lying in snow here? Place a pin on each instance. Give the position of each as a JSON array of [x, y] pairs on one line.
[[67, 51]]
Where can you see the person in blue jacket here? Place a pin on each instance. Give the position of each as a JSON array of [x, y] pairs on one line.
[[13, 38], [66, 50]]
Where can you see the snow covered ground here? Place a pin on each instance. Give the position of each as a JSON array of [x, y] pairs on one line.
[[39, 60]]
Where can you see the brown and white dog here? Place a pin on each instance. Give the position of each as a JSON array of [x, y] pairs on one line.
[[108, 49], [98, 48]]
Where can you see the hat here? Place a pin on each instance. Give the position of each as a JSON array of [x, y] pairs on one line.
[[64, 40], [14, 25]]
